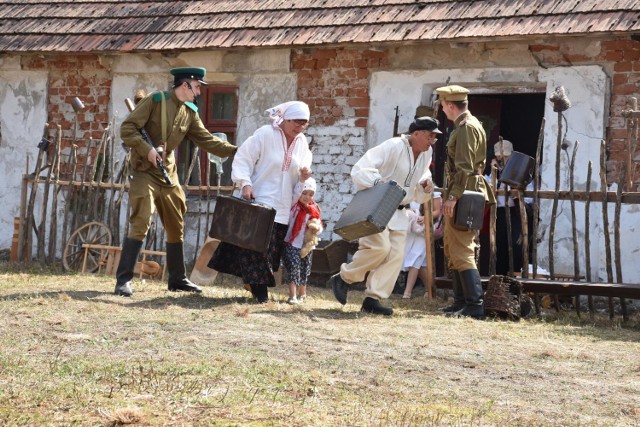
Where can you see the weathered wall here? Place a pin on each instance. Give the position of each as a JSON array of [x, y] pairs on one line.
[[598, 76], [352, 93], [23, 114]]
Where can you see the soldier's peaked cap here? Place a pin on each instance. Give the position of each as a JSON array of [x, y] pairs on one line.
[[452, 93], [195, 73]]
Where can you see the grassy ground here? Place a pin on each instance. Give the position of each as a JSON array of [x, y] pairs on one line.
[[72, 353]]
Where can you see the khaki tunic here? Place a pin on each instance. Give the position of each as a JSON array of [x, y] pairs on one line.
[[466, 157], [148, 190]]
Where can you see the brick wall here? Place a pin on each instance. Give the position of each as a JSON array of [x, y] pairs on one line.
[[335, 82], [621, 59], [71, 76]]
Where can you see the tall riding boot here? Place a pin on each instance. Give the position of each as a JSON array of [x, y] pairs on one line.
[[458, 294], [472, 287], [128, 258], [177, 275]]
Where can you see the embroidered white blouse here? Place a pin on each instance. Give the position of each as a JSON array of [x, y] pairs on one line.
[[264, 162]]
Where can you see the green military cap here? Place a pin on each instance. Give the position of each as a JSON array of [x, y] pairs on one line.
[[195, 73], [452, 93]]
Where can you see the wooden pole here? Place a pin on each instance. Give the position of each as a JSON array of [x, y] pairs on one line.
[[30, 221], [536, 208], [587, 237], [66, 216], [524, 225], [492, 225], [554, 211], [576, 258], [605, 221], [53, 232], [430, 252], [507, 217], [42, 228], [605, 212]]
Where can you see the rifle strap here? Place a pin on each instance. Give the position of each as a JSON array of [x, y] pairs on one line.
[[163, 125]]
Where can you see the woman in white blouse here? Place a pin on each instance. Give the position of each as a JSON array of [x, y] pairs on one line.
[[265, 169]]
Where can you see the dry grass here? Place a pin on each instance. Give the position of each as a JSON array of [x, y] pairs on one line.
[[72, 353]]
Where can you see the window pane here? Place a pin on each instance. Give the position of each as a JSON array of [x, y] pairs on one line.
[[223, 106]]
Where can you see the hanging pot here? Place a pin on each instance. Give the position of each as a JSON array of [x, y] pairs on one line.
[[518, 172]]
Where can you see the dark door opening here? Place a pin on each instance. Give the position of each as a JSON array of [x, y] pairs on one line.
[[515, 117]]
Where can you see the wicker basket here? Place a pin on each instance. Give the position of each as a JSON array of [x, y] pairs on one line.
[[504, 299]]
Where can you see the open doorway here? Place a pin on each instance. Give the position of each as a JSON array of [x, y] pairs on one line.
[[515, 117]]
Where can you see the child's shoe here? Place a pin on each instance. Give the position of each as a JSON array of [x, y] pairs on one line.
[[293, 301], [302, 297]]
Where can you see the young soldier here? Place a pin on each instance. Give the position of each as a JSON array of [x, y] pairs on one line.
[[167, 117], [466, 156]]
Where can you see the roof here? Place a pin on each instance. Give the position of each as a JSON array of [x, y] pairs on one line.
[[125, 26]]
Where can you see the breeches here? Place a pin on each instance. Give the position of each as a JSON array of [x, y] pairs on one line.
[[144, 197], [459, 247], [381, 256]]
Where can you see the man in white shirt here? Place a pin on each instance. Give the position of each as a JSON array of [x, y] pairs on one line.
[[405, 160]]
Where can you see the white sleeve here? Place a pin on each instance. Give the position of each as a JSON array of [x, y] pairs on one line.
[[245, 160], [366, 172], [297, 192]]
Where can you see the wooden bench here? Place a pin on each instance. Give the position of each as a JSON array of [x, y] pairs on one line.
[[112, 258], [570, 288]]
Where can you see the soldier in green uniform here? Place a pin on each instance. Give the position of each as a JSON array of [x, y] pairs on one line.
[[168, 118], [466, 157]]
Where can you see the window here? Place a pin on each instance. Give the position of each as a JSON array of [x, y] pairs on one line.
[[218, 109]]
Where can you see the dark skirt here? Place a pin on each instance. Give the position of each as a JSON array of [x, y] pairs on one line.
[[253, 267]]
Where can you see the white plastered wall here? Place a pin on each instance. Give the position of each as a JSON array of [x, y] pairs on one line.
[[586, 87], [23, 114]]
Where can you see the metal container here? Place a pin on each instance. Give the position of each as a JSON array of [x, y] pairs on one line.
[[518, 172]]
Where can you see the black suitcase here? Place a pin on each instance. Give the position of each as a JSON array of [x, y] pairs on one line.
[[242, 223], [469, 211], [518, 172], [370, 211]]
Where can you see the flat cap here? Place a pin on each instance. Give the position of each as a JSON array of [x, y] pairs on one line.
[[195, 73], [452, 93], [424, 123]]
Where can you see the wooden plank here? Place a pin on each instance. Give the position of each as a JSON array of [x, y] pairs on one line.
[[563, 287]]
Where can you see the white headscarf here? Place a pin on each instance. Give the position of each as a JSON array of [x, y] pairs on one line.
[[292, 110]]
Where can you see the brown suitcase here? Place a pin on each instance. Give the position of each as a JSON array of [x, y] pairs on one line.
[[242, 223], [370, 211], [469, 211]]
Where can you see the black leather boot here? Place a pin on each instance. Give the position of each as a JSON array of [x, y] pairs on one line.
[[128, 258], [373, 306], [458, 294], [260, 293], [340, 288], [177, 275], [472, 288]]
